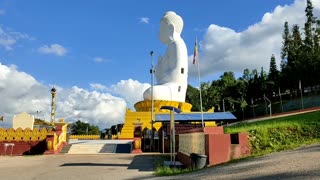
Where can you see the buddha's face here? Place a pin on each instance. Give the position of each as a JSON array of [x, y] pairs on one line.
[[166, 32]]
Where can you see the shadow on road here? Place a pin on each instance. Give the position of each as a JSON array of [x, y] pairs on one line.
[[93, 164], [146, 162]]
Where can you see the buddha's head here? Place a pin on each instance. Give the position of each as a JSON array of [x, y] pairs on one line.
[[170, 24]]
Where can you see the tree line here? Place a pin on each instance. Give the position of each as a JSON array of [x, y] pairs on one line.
[[299, 72]]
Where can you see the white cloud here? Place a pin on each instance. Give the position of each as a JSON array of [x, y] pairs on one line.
[[55, 49], [20, 92], [2, 12], [224, 49], [98, 87], [144, 20], [130, 90], [99, 59], [101, 109], [9, 38]]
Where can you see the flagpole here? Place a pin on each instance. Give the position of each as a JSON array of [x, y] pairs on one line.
[[200, 94], [197, 55]]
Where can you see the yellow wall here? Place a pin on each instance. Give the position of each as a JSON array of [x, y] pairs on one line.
[[143, 116], [133, 119], [23, 135]]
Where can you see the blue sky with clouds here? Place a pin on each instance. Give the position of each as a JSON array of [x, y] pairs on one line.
[[100, 49], [108, 41]]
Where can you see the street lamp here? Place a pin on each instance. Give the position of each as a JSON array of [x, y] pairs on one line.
[[53, 106], [152, 71], [265, 97], [172, 132]]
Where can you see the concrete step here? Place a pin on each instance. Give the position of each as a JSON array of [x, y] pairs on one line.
[[85, 148], [65, 149], [100, 148]]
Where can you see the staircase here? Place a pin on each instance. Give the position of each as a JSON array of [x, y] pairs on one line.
[[65, 149], [100, 146]]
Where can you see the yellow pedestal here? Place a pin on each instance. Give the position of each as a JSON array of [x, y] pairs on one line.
[[143, 116]]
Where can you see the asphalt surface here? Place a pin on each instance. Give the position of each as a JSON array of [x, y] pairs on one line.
[[302, 163], [78, 167], [299, 164]]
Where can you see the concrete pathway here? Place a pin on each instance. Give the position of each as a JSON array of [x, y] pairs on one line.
[[78, 167], [296, 164], [99, 146]]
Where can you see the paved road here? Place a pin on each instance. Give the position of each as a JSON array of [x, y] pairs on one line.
[[77, 167], [303, 163], [297, 164]]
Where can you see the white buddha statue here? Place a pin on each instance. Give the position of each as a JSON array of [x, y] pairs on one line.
[[172, 68]]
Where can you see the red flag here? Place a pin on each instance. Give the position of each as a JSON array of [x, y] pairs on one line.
[[195, 53]]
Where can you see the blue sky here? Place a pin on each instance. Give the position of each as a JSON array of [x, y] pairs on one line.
[[111, 30], [103, 46]]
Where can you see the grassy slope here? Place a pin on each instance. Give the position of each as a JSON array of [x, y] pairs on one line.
[[280, 133], [270, 136]]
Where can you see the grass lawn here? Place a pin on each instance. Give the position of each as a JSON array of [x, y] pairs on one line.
[[270, 136], [280, 133]]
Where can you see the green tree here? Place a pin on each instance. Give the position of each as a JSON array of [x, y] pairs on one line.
[[285, 45], [227, 84], [308, 68], [246, 75], [273, 76], [308, 26], [192, 97], [252, 87], [295, 66], [316, 56], [79, 128]]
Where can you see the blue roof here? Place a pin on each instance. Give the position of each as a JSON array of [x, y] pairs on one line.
[[217, 116]]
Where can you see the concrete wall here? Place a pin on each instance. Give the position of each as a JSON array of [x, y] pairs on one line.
[[22, 148], [218, 147], [23, 120]]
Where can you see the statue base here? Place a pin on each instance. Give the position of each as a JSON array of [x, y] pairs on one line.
[[146, 106]]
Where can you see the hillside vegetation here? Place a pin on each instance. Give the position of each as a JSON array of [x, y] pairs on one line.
[[280, 133]]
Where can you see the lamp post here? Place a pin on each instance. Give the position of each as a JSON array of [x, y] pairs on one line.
[[152, 71], [37, 115], [53, 106], [265, 97], [172, 132], [301, 94]]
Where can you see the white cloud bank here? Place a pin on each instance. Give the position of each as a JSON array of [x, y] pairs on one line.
[[20, 92], [130, 90], [55, 49], [224, 49]]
